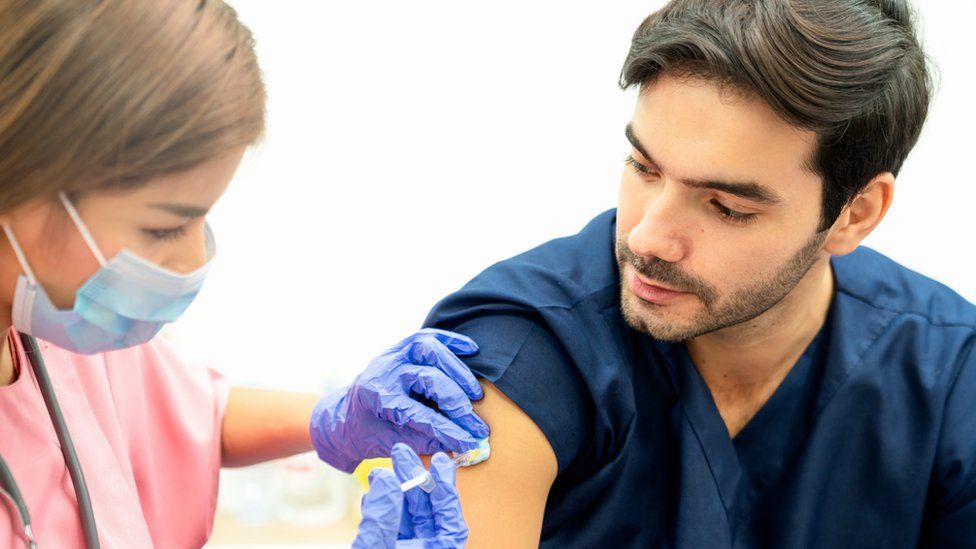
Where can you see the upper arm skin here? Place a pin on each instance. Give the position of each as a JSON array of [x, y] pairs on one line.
[[504, 498]]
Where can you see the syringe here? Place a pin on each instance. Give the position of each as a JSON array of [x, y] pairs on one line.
[[421, 477]]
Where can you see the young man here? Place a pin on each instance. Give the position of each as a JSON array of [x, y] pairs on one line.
[[716, 363]]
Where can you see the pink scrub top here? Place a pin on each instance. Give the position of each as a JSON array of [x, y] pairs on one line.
[[146, 426]]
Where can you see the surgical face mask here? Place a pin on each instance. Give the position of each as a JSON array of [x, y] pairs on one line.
[[124, 304]]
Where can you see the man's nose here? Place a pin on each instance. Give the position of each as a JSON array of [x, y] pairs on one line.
[[662, 229]]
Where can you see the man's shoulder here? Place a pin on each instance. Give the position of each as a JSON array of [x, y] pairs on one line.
[[886, 285], [558, 274], [545, 338]]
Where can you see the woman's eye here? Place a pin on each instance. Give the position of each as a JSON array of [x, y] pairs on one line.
[[166, 234], [732, 215], [640, 168]]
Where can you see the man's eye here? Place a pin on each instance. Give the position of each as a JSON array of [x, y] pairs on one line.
[[731, 215], [640, 168], [166, 234]]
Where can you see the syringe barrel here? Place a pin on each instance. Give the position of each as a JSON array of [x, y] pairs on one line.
[[420, 478]]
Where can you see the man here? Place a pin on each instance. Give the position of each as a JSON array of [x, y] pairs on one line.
[[717, 363]]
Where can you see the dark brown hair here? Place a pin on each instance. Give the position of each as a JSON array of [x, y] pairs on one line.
[[850, 70], [113, 93]]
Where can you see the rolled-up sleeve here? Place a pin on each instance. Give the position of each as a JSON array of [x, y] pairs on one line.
[[526, 362]]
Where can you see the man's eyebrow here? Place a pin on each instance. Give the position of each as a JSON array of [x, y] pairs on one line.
[[182, 210], [749, 190], [629, 132]]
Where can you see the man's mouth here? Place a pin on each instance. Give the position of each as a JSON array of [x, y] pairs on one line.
[[653, 292]]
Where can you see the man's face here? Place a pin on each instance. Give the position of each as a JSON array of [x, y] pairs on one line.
[[717, 206]]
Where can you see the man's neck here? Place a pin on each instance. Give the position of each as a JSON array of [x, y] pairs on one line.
[[746, 363]]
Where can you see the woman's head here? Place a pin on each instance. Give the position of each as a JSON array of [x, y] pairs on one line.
[[122, 105], [97, 95]]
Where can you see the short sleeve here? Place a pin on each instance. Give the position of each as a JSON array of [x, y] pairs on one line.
[[221, 392], [951, 509], [527, 363]]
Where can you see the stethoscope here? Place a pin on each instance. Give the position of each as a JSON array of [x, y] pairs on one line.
[[7, 484]]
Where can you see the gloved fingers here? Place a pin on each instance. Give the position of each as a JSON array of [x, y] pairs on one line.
[[405, 460], [457, 343], [324, 431], [406, 412], [453, 403], [382, 507], [430, 351], [421, 444], [405, 463], [445, 503]]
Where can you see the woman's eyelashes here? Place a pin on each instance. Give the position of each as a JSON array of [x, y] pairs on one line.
[[166, 234]]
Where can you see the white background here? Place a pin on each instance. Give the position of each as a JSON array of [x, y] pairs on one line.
[[412, 144]]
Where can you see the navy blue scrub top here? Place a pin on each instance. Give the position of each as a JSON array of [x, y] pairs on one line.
[[870, 441]]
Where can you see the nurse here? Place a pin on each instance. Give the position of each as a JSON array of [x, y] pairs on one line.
[[121, 124]]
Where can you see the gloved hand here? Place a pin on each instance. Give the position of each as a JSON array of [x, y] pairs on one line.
[[365, 419], [427, 520]]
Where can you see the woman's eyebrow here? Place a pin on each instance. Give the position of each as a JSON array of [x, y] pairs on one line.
[[182, 210]]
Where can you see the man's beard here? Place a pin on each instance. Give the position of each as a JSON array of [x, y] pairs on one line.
[[741, 306]]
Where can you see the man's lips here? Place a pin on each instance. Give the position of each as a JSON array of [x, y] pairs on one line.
[[653, 293]]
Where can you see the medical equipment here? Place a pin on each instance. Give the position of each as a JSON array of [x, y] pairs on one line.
[[423, 479], [382, 408], [7, 483]]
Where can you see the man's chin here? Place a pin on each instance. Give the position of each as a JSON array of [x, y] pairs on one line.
[[660, 322], [668, 332]]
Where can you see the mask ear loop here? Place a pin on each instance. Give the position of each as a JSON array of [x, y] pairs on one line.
[[209, 242], [82, 228], [21, 258]]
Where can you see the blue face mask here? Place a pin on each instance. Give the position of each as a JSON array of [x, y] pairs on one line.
[[124, 304]]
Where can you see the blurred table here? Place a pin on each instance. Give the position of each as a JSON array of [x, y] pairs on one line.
[[228, 534]]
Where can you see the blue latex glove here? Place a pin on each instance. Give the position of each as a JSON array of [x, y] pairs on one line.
[[379, 409], [424, 520]]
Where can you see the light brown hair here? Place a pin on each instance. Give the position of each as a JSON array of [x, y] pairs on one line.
[[98, 94]]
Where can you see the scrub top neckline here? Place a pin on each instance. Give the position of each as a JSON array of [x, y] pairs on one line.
[[739, 486], [14, 356], [24, 381], [767, 444]]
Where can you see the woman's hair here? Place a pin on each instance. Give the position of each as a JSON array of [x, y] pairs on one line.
[[850, 70], [101, 94]]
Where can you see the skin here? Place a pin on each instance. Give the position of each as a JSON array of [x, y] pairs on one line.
[[757, 291], [504, 498], [259, 424]]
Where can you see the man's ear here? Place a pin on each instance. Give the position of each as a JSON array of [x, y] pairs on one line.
[[860, 217]]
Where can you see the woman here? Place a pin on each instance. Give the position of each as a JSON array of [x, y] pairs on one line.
[[121, 123]]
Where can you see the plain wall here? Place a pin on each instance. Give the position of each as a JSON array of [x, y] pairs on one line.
[[412, 144]]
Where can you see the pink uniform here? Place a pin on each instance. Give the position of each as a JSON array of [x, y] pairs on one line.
[[146, 427]]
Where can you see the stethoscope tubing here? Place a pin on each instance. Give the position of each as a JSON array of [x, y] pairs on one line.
[[85, 510]]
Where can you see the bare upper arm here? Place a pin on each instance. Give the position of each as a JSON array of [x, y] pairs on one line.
[[504, 498]]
